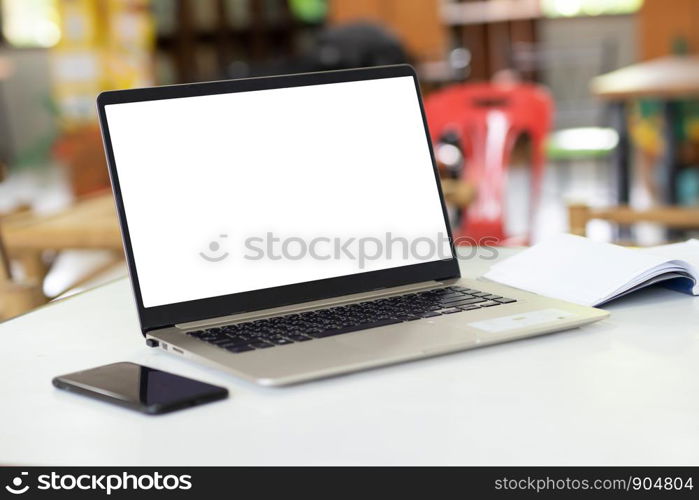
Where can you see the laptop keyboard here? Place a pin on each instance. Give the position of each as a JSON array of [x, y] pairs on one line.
[[322, 323]]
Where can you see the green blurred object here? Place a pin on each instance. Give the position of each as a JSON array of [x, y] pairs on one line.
[[581, 143], [680, 46], [39, 153], [687, 186], [685, 127], [309, 11]]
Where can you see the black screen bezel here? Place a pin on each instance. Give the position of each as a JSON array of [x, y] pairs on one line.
[[182, 312]]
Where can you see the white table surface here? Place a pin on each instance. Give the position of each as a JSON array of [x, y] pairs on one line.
[[623, 391]]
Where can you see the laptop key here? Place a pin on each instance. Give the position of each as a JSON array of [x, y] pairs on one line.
[[466, 302], [240, 348], [460, 299], [505, 300], [261, 345], [363, 326], [220, 341], [451, 298], [469, 308], [299, 338], [451, 310], [231, 342], [490, 303], [430, 314], [280, 340]]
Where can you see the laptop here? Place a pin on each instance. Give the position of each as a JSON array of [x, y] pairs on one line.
[[290, 228]]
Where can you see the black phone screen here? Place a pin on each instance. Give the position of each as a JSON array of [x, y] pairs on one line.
[[140, 387]]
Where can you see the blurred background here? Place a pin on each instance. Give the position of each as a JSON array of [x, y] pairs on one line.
[[547, 116]]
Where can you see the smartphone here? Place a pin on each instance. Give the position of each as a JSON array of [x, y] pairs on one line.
[[140, 388]]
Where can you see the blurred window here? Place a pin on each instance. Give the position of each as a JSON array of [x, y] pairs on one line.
[[570, 8], [30, 23]]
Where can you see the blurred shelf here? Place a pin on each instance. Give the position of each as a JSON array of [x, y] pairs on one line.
[[167, 41], [665, 77], [199, 40], [494, 11]]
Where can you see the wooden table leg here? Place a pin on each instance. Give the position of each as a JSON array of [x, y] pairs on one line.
[[35, 271], [622, 161], [669, 166], [19, 298], [33, 265], [622, 154]]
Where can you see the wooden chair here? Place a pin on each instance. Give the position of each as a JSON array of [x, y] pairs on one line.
[[16, 297], [487, 119], [672, 217]]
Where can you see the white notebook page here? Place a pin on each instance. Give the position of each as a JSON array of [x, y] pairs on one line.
[[579, 270]]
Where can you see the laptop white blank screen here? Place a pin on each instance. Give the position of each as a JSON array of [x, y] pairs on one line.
[[245, 191]]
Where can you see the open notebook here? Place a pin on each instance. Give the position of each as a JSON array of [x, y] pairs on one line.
[[590, 273]]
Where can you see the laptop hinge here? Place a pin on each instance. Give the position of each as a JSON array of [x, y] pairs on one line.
[[316, 304]]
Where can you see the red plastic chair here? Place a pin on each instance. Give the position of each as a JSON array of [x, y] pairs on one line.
[[488, 119]]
